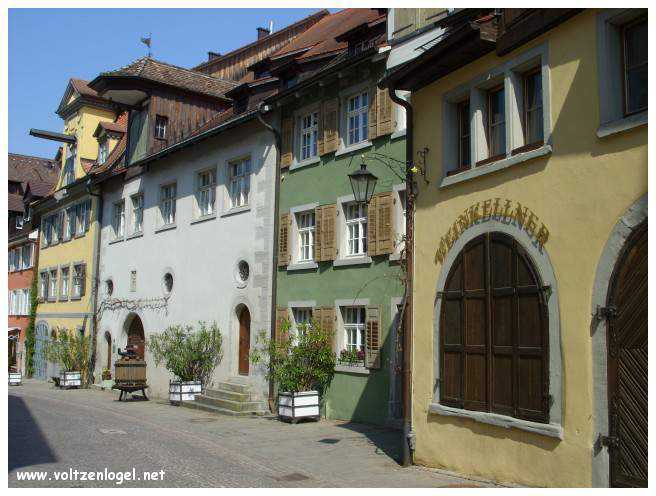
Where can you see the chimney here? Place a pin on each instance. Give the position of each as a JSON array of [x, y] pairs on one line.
[[262, 32], [213, 55]]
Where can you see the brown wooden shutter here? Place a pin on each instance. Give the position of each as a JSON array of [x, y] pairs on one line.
[[284, 232], [372, 344], [327, 319], [83, 279], [286, 156], [325, 242], [373, 113], [385, 223], [384, 112], [331, 125], [372, 226], [281, 317]]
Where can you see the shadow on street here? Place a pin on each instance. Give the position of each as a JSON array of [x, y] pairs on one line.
[[27, 444]]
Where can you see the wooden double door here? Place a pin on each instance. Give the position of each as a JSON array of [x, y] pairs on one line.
[[244, 340], [627, 365]]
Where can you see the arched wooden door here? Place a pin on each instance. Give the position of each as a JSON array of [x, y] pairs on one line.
[[244, 340], [136, 336], [627, 365]]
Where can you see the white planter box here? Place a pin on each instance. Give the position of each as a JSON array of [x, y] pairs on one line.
[[184, 391], [15, 378], [70, 379], [294, 406]]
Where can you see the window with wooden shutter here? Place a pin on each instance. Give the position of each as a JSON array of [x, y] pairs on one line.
[[327, 318], [372, 341], [281, 327], [383, 112], [286, 155], [330, 125], [283, 240], [325, 242], [372, 226], [494, 332]]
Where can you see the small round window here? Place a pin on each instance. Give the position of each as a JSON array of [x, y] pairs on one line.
[[243, 271], [168, 282], [109, 287]]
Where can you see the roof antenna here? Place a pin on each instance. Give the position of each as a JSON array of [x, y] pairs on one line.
[[147, 41]]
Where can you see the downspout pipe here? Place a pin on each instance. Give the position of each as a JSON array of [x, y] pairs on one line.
[[408, 437], [276, 203], [95, 275]]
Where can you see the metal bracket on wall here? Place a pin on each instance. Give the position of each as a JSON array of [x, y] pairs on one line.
[[605, 313]]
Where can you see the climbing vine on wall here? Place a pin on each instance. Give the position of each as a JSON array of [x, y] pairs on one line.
[[115, 304], [29, 332]]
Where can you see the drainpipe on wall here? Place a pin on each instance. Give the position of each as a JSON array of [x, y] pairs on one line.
[[408, 435], [95, 275], [274, 268]]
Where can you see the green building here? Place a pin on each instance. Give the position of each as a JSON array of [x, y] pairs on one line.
[[339, 261]]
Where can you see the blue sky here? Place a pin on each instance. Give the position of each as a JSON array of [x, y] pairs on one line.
[[48, 46]]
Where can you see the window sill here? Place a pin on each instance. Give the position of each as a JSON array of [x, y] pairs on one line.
[[63, 299], [623, 124], [75, 298], [116, 240], [236, 210], [551, 430], [203, 218], [135, 235], [167, 227], [52, 300], [79, 235], [305, 163], [303, 266], [353, 148], [352, 369], [496, 166], [343, 262]]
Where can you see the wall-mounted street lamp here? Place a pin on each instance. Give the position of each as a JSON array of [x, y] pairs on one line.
[[363, 183]]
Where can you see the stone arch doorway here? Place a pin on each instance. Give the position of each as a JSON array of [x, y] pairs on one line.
[[136, 337], [627, 364], [244, 339], [108, 343]]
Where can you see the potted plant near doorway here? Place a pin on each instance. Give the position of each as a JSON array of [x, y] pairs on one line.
[[71, 351], [190, 355], [302, 366]]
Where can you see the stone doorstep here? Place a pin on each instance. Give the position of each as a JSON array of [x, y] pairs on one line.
[[228, 395], [222, 411], [235, 406], [234, 387]]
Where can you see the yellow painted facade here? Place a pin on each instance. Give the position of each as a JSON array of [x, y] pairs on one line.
[[74, 313], [579, 191]]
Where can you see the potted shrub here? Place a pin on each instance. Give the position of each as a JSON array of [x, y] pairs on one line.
[[15, 378], [302, 365], [71, 351], [190, 355]]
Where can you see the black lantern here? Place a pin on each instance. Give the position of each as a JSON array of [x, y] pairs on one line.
[[363, 183]]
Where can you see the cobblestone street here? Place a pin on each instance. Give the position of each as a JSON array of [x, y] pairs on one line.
[[89, 430]]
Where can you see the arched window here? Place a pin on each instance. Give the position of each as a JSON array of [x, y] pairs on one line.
[[494, 340]]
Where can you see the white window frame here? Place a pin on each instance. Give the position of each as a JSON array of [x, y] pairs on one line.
[[77, 281], [103, 150], [356, 246], [167, 203], [53, 289], [43, 285], [345, 147], [510, 74], [20, 220], [206, 194], [360, 113], [610, 72], [238, 183], [64, 284], [305, 236], [355, 327], [118, 219], [400, 202], [82, 217], [137, 227], [68, 172], [161, 124], [310, 132]]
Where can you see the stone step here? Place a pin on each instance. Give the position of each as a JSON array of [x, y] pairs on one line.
[[220, 411], [235, 406], [234, 387], [228, 395]]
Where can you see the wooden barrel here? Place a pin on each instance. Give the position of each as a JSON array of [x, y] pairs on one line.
[[129, 371]]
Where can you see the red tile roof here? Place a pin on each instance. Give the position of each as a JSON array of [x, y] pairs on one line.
[[26, 168], [160, 72], [82, 87], [15, 203]]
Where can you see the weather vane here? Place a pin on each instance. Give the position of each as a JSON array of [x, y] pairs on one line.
[[146, 41]]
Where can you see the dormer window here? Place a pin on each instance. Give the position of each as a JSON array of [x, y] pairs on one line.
[[161, 123], [103, 151]]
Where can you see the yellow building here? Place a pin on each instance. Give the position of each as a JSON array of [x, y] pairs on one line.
[[69, 220], [530, 282]]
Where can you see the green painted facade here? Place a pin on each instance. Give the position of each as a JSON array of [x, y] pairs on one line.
[[365, 395]]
